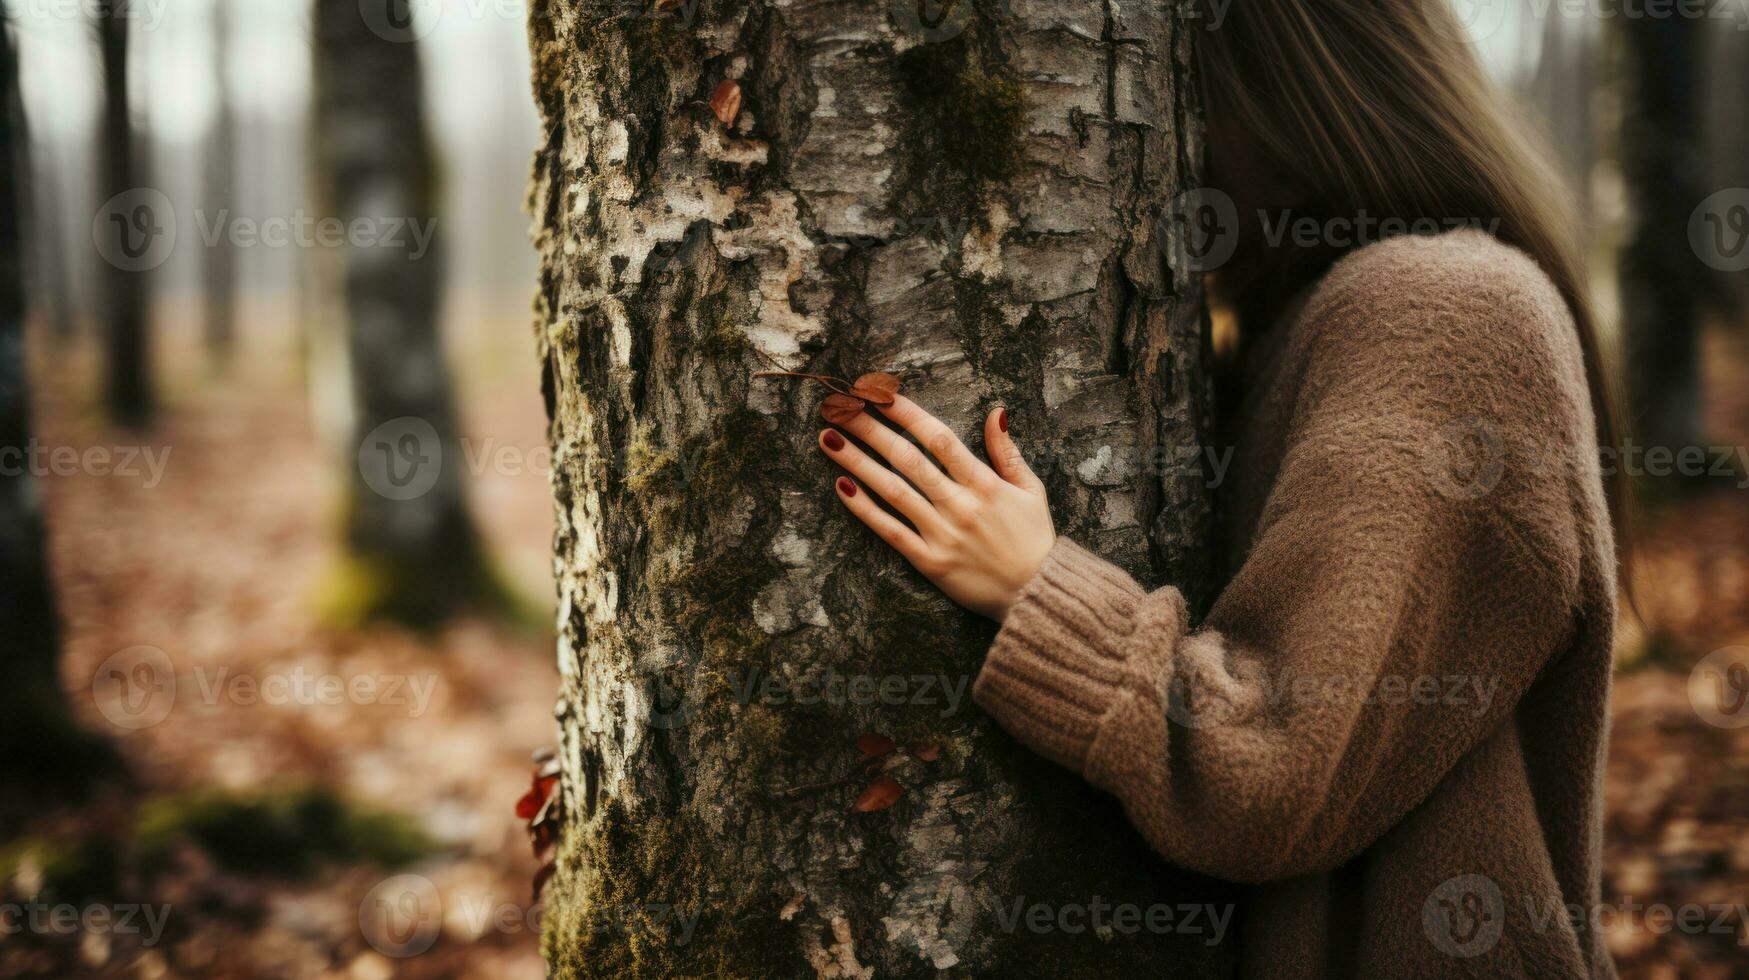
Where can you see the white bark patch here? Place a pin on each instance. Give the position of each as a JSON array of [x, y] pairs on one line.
[[981, 252], [1105, 469], [776, 239]]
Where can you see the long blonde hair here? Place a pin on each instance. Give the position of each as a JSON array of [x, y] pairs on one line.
[[1383, 105]]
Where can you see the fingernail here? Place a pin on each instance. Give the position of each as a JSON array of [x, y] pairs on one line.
[[845, 487], [1002, 420], [833, 440]]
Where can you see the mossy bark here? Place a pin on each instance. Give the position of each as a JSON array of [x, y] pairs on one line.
[[969, 203], [412, 551]]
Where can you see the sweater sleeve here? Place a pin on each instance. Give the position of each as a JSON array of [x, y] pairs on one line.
[[1398, 599]]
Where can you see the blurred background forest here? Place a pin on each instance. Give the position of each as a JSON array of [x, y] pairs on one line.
[[233, 653]]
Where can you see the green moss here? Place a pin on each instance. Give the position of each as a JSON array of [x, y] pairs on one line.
[[966, 114], [726, 339], [361, 589], [284, 831], [60, 870], [660, 896], [987, 118], [647, 468]]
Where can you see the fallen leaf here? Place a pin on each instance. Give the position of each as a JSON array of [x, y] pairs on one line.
[[874, 746], [883, 792], [878, 387], [726, 101], [841, 409]]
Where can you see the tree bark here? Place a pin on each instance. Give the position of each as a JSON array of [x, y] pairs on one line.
[[413, 552], [46, 754], [128, 381], [968, 201], [1665, 286]]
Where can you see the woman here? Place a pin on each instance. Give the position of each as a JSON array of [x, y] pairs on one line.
[[1393, 719]]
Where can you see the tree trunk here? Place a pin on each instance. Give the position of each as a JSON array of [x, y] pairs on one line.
[[45, 753], [128, 381], [413, 552], [1565, 83], [969, 201], [1664, 282], [221, 257]]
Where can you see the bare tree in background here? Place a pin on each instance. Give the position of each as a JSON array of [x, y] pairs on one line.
[[221, 256], [966, 199], [414, 554], [1665, 286], [1565, 83], [46, 754], [128, 382]]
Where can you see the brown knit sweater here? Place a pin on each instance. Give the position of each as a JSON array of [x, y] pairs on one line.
[[1393, 721]]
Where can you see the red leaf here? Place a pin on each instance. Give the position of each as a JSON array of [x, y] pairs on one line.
[[874, 746], [878, 388], [536, 798], [841, 409], [528, 806], [926, 753], [883, 792], [726, 101]]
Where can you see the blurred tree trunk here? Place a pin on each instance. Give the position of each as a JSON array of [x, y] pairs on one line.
[[414, 555], [966, 202], [221, 257], [1566, 81], [45, 753], [1664, 283], [128, 383]]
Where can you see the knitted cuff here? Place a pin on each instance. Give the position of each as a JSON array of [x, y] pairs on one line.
[[1058, 664]]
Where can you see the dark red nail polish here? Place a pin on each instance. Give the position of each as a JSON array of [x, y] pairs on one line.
[[833, 440], [845, 487], [1002, 420]]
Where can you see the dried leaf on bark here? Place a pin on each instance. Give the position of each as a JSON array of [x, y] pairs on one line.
[[841, 409], [883, 792], [874, 746], [726, 101], [878, 388]]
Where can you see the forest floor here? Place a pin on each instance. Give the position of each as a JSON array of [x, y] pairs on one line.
[[218, 559]]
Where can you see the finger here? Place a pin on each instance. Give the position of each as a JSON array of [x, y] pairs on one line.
[[902, 456], [880, 480], [939, 440], [1005, 456], [887, 527]]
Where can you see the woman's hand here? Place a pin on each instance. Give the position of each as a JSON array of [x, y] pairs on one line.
[[978, 533]]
